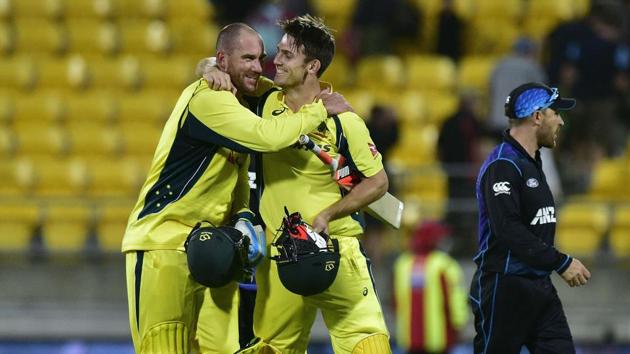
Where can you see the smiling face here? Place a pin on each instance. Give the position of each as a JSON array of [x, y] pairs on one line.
[[243, 61], [547, 134], [291, 64]]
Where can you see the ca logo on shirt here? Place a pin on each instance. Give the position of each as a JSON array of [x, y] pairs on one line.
[[544, 215], [501, 188]]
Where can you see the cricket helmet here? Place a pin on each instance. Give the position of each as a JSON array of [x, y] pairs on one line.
[[307, 261], [216, 255]]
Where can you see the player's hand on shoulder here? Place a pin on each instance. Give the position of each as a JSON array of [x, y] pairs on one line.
[[217, 79], [203, 64], [334, 102], [257, 242], [576, 274]]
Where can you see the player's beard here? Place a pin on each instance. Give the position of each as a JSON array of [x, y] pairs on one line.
[[247, 82], [548, 137]]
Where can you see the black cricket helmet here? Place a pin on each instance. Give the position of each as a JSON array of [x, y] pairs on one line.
[[308, 262], [216, 255]]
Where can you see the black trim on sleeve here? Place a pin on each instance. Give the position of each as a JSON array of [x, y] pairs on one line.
[[138, 282], [263, 99], [342, 145], [342, 148], [194, 128], [565, 264]]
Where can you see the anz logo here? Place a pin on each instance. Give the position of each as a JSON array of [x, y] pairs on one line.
[[544, 215]]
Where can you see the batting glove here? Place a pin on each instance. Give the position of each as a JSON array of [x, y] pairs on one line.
[[257, 242]]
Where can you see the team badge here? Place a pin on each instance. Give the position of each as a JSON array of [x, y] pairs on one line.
[[205, 236], [373, 149], [532, 183]]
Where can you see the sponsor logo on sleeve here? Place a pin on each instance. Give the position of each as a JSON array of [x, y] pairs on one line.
[[373, 149], [501, 188]]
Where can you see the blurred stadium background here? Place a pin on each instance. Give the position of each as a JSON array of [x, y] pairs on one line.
[[85, 86]]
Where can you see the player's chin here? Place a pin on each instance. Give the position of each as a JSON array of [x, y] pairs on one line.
[[550, 143], [249, 85], [279, 80]]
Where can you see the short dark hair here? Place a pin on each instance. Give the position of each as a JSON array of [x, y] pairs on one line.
[[317, 39], [228, 35]]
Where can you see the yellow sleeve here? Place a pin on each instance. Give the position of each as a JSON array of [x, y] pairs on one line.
[[231, 125], [361, 148], [241, 193]]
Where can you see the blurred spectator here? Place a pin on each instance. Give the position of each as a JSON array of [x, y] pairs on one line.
[[264, 20], [515, 69], [459, 151], [384, 130], [294, 8], [228, 11], [518, 68], [378, 24], [586, 55], [431, 305], [590, 58], [449, 31]]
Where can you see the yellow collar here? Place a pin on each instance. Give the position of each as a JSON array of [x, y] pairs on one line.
[[322, 85]]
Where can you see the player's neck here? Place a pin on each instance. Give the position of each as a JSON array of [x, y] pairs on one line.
[[527, 139], [241, 99], [298, 96]]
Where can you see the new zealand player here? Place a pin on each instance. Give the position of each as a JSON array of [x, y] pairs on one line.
[[512, 297], [199, 172]]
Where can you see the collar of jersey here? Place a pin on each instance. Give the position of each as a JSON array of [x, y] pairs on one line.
[[322, 85], [510, 140]]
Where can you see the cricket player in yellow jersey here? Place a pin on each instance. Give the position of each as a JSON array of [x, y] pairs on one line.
[[199, 172], [294, 177]]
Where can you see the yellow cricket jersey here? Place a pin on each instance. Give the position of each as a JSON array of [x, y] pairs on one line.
[[199, 169], [294, 177]]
